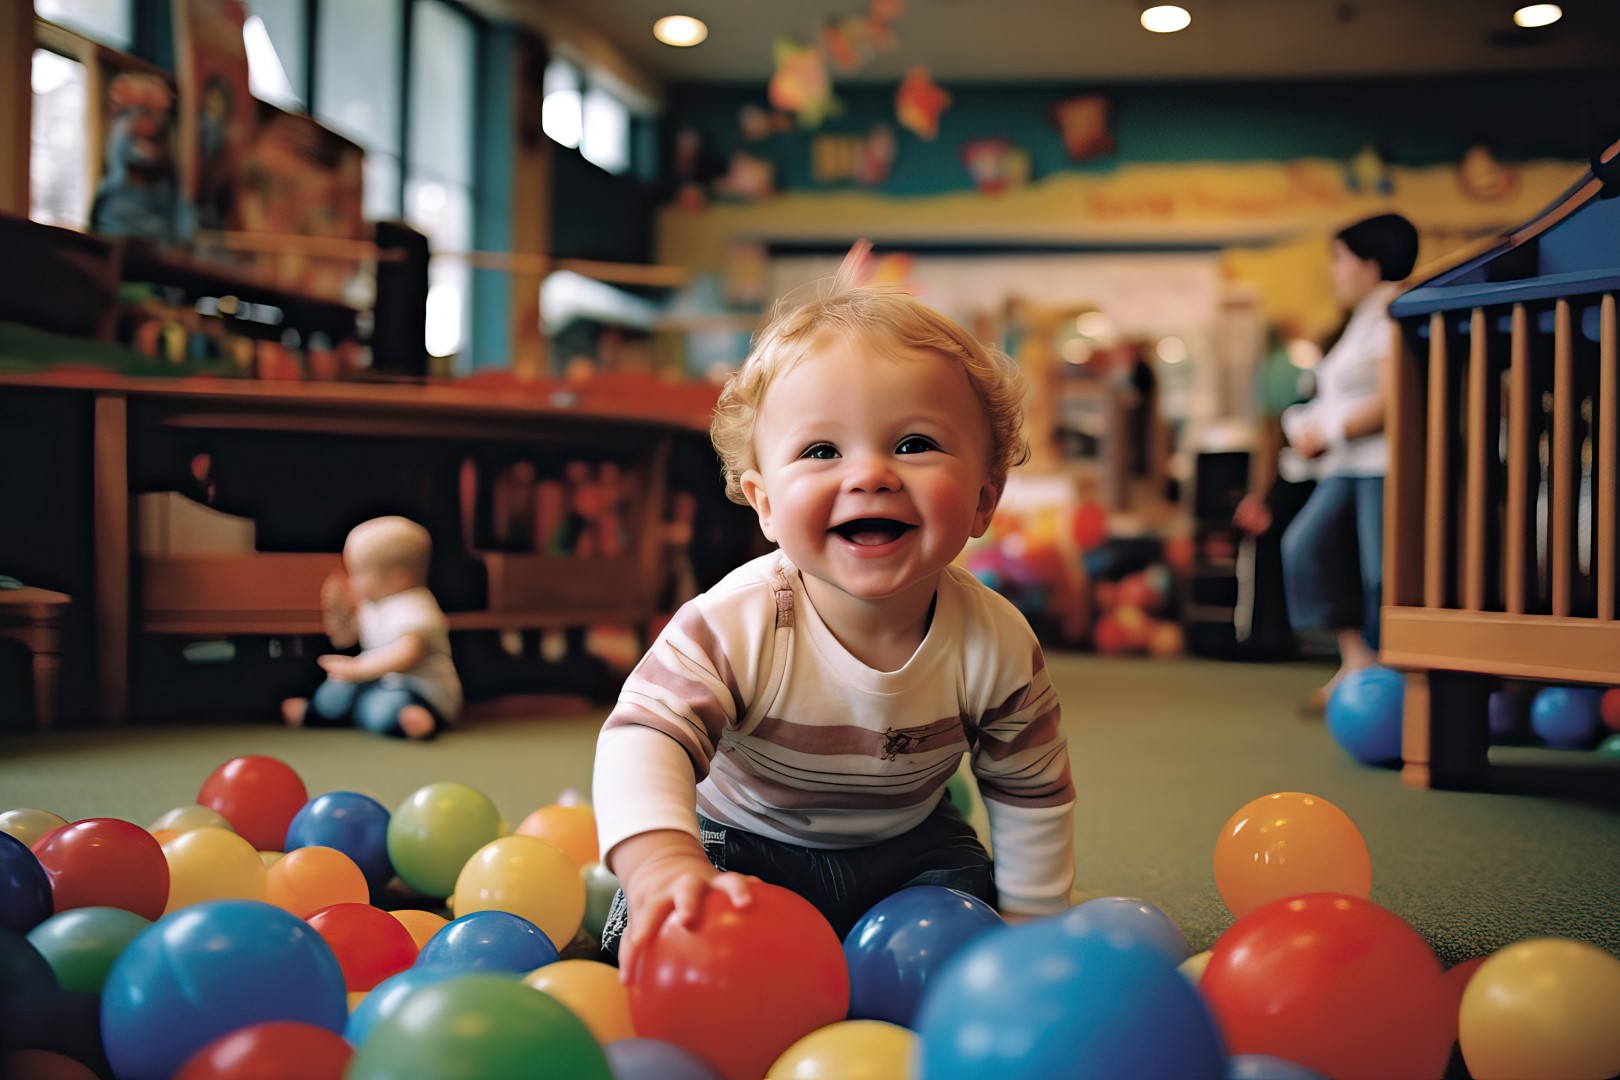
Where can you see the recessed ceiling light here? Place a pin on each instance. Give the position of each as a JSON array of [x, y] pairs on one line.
[[1166, 18], [1538, 15], [680, 30]]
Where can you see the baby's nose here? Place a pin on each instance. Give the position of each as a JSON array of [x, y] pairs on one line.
[[871, 473]]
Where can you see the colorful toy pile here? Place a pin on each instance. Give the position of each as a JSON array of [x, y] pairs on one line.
[[197, 950]]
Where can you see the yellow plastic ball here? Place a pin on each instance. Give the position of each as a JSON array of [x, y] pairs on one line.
[[1546, 1008], [848, 1050], [592, 991], [28, 824], [213, 864], [526, 877]]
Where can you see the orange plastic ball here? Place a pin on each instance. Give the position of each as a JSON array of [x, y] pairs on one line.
[[572, 829], [310, 878], [420, 924], [1289, 844]]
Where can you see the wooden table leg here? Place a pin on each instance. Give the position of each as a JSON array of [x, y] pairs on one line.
[[111, 487], [47, 672], [1445, 729]]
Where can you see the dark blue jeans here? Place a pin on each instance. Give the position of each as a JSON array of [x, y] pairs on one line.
[[369, 705], [845, 883], [1333, 557]]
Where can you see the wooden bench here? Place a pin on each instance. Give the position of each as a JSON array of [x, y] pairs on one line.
[[34, 617]]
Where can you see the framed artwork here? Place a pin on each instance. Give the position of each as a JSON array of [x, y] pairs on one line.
[[131, 164]]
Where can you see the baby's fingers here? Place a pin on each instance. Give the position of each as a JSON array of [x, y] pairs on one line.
[[736, 887]]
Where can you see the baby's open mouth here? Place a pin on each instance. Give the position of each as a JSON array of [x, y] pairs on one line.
[[870, 532]]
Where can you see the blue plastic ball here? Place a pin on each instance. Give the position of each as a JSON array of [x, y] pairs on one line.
[[354, 824], [493, 941], [1266, 1067], [1506, 717], [903, 942], [1364, 715], [1567, 717], [655, 1059], [1131, 916], [25, 889], [1033, 1001], [209, 969]]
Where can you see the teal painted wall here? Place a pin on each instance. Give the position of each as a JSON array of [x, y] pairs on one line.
[[1411, 122]]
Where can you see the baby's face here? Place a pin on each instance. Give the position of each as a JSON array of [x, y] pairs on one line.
[[873, 468]]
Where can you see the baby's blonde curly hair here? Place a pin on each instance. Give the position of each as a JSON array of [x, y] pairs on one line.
[[883, 315]]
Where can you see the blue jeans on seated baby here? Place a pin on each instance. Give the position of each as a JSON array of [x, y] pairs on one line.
[[369, 705], [844, 883]]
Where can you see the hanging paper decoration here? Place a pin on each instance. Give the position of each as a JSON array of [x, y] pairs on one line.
[[749, 178], [756, 123], [918, 103], [1083, 123], [862, 158], [1368, 174], [1484, 179], [800, 85], [996, 165], [877, 154]]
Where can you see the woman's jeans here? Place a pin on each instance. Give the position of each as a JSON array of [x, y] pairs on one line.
[[1333, 557], [845, 883]]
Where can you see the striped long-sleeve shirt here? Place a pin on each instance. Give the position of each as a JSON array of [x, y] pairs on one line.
[[748, 698]]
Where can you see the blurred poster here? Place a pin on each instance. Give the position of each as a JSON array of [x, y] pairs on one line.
[[218, 116]]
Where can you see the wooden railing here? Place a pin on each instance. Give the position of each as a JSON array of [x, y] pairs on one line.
[[1501, 502]]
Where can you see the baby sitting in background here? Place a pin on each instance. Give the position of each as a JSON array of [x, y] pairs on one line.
[[403, 682]]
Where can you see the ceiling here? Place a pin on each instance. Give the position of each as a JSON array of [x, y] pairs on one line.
[[1101, 40]]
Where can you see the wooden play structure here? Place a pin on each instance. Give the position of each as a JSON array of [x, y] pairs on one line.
[[1500, 530]]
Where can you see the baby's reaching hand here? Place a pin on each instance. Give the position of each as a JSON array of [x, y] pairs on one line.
[[667, 884], [339, 667]]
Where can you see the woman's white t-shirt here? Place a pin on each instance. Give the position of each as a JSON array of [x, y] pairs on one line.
[[1347, 375]]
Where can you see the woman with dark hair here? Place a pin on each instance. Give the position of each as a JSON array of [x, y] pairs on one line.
[[1333, 550]]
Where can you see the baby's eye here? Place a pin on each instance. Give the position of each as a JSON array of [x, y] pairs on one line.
[[916, 444], [820, 452]]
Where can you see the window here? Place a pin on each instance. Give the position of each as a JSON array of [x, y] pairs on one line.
[[606, 138], [561, 109], [111, 22], [277, 68], [357, 89], [57, 161], [439, 167]]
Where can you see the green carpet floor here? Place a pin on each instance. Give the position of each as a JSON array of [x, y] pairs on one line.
[[1163, 753]]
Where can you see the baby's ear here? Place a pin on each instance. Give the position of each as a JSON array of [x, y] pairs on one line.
[[989, 499], [753, 489]]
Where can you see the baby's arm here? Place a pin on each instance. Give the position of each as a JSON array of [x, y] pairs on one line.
[[337, 611], [644, 780], [401, 654], [1022, 764]]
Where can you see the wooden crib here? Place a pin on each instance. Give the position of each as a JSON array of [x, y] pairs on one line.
[[1500, 500]]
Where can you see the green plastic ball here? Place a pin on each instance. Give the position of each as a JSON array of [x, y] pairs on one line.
[[81, 944], [472, 1027], [435, 831]]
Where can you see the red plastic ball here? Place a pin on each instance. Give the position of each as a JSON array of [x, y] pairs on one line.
[[271, 1051], [105, 862], [369, 943], [774, 969], [1609, 708], [1334, 983], [1089, 525], [258, 795], [1456, 981]]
